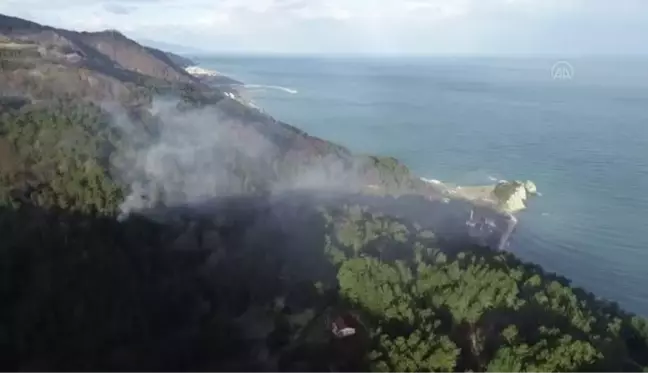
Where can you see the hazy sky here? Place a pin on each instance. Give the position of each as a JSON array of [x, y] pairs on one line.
[[361, 26]]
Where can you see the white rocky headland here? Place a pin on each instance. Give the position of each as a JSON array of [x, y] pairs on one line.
[[506, 196], [512, 195]]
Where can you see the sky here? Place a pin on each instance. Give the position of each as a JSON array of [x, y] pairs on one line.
[[491, 27]]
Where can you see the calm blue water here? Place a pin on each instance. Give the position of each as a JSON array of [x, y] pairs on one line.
[[584, 141]]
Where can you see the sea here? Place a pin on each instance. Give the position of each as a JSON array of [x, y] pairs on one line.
[[577, 127]]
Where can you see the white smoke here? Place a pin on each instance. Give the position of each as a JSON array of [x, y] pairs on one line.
[[188, 159]]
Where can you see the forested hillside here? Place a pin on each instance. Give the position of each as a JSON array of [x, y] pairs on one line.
[[171, 228]]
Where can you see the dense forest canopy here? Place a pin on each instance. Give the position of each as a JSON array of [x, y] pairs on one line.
[[251, 282], [246, 273]]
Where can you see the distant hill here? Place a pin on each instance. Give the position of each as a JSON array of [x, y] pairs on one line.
[[171, 47], [135, 57], [107, 50], [180, 60]]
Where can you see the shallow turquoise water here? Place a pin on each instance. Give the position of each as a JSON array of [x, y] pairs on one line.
[[469, 120]]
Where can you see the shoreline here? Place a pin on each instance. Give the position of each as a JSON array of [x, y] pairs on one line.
[[483, 220]]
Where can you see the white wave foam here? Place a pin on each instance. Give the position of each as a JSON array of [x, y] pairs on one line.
[[492, 178], [276, 87], [430, 181], [199, 71]]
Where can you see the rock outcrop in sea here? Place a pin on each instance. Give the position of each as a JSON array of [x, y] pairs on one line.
[[512, 195]]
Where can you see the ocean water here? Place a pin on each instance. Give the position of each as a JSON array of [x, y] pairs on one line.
[[583, 139]]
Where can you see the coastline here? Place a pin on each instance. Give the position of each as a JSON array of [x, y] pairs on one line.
[[487, 221]]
